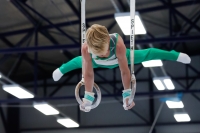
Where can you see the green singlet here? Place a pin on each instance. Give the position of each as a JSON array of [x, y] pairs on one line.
[[111, 61]]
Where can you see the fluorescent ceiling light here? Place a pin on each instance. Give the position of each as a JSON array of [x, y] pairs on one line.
[[159, 85], [67, 122], [45, 108], [182, 117], [174, 104], [163, 82], [123, 20], [169, 84], [17, 91], [0, 75], [152, 63]]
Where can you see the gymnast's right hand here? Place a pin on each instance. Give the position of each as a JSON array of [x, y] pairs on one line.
[[57, 74], [87, 101], [126, 95]]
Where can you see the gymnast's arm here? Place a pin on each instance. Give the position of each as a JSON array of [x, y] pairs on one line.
[[123, 63], [88, 72]]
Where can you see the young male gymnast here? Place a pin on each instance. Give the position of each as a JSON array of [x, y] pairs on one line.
[[104, 50]]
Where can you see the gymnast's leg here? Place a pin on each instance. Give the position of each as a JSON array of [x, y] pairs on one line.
[[154, 53], [73, 64]]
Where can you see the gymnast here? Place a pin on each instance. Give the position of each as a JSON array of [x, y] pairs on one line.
[[104, 50]]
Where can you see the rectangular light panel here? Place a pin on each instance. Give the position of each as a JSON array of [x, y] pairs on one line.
[[17, 91], [174, 104], [182, 117], [123, 20], [152, 63], [169, 84], [45, 108], [163, 83], [159, 85], [67, 122]]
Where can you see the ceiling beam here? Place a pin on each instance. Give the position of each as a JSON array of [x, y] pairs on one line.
[[73, 46], [138, 94], [103, 17]]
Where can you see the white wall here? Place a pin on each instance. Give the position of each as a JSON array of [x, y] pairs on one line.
[[179, 129], [98, 130], [159, 129]]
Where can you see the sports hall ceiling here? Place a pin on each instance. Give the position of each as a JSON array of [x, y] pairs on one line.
[[32, 34], [17, 20]]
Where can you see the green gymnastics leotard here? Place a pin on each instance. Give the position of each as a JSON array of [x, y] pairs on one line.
[[112, 61]]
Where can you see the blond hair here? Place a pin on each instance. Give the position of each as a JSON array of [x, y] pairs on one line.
[[97, 38]]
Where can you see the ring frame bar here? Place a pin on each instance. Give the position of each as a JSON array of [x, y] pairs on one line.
[[81, 83], [132, 47]]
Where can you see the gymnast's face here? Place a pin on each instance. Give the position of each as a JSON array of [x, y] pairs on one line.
[[106, 52]]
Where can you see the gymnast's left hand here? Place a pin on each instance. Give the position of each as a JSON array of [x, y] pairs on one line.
[[126, 95], [85, 107], [128, 106], [87, 101]]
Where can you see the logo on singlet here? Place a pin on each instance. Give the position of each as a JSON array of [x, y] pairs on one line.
[[111, 59], [97, 58], [112, 48]]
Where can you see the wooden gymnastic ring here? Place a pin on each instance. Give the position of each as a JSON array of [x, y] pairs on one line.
[[78, 86]]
